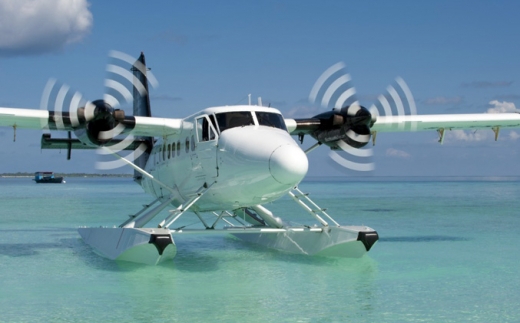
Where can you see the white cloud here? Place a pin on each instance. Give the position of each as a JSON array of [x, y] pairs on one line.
[[485, 134], [501, 107], [29, 27], [480, 135], [468, 136], [397, 153], [513, 135]]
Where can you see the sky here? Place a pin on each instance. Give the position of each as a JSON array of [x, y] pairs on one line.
[[455, 56]]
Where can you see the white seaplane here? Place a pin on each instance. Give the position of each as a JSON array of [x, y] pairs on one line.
[[226, 161]]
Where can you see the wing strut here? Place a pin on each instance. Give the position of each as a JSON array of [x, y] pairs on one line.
[[175, 214], [316, 145], [148, 216], [300, 196], [139, 169]]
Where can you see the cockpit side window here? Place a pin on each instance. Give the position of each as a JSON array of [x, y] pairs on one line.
[[213, 122], [229, 120], [271, 120], [205, 130]]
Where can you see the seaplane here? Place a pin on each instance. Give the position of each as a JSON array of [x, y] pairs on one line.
[[226, 162]]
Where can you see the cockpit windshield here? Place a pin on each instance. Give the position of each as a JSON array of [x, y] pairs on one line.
[[269, 119], [229, 120]]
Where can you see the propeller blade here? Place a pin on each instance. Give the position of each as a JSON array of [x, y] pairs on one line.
[[63, 105], [334, 88], [397, 101], [347, 128], [121, 87], [98, 120]]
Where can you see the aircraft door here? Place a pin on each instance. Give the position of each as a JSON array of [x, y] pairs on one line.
[[207, 147]]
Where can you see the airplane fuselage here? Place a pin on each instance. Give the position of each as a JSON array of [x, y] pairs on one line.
[[244, 154]]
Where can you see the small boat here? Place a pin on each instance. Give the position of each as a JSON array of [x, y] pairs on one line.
[[47, 178]]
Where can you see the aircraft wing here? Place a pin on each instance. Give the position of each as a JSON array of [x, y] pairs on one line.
[[42, 119], [156, 127], [446, 122], [24, 118], [418, 123]]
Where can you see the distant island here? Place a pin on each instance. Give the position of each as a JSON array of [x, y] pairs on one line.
[[23, 174]]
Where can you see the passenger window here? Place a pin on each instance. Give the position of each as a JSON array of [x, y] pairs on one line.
[[192, 143], [178, 148], [187, 145], [173, 150], [169, 150]]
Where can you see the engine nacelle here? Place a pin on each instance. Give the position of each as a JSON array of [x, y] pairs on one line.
[[356, 137], [100, 126], [351, 125]]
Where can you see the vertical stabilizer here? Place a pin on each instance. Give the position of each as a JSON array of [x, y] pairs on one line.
[[142, 109], [141, 101]]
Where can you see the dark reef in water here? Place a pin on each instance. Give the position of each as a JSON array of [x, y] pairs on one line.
[[20, 174]]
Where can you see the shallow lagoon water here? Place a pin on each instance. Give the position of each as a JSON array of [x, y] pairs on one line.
[[448, 251]]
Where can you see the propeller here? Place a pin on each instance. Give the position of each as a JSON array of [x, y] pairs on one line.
[[96, 123], [347, 127]]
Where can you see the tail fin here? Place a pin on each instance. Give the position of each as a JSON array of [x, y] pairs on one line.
[[142, 109]]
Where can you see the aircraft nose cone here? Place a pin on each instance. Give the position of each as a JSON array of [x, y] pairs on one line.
[[288, 164]]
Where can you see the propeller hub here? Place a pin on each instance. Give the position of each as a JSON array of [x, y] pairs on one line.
[[356, 115], [102, 110], [102, 123]]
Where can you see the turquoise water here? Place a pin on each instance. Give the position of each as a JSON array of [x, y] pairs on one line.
[[448, 252]]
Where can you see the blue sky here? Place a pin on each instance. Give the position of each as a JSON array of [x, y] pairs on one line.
[[456, 57]]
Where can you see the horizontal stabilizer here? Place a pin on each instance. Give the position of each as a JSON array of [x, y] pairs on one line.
[[66, 143]]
